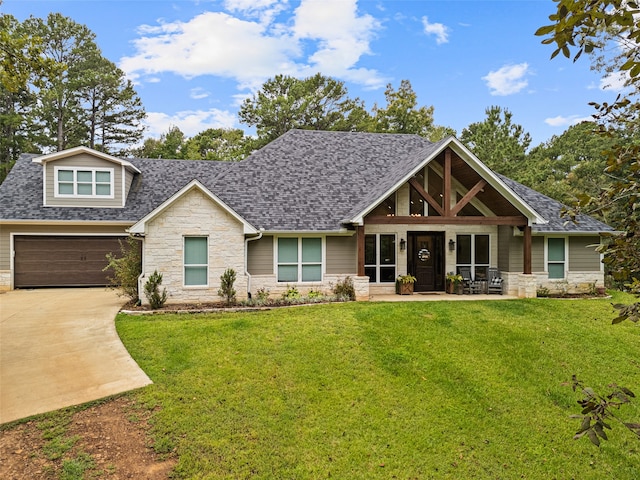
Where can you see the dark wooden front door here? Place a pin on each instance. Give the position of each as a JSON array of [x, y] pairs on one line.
[[425, 260]]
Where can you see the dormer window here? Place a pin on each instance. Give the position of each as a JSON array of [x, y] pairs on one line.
[[80, 182]]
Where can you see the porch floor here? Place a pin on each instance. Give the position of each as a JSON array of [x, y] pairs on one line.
[[437, 296]]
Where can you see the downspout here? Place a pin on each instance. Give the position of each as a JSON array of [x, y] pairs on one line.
[[139, 237], [246, 259]]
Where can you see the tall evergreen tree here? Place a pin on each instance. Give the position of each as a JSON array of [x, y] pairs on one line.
[[402, 115], [498, 142]]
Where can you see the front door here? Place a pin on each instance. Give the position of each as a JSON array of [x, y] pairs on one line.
[[425, 260]]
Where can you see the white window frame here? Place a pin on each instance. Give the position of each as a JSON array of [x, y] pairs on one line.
[[378, 265], [75, 171], [185, 264], [299, 263], [565, 262], [473, 263]]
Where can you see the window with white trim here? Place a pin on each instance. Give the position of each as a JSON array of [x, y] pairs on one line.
[[556, 258], [196, 261], [83, 182], [380, 257], [473, 251], [299, 259]]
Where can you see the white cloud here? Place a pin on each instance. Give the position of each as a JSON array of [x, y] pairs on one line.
[[212, 43], [198, 93], [561, 121], [190, 122], [615, 81], [327, 36], [342, 37], [507, 80], [440, 31]]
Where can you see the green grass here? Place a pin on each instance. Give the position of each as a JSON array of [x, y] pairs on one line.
[[455, 390]]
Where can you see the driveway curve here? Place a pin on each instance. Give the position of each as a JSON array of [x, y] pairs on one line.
[[58, 348]]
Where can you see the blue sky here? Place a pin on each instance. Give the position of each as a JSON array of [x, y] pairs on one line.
[[193, 62]]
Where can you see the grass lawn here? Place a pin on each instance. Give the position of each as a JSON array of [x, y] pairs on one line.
[[456, 390]]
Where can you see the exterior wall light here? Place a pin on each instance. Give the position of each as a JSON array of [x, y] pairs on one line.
[[403, 244], [452, 245]]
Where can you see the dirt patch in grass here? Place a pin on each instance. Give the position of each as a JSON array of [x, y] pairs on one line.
[[108, 440]]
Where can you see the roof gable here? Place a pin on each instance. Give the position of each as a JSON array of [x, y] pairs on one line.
[[51, 157], [428, 154], [139, 227]]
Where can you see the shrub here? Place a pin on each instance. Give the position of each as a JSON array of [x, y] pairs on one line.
[[292, 293], [226, 291], [344, 289], [126, 268], [152, 291], [262, 295]]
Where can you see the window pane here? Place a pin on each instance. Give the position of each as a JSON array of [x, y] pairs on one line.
[[195, 275], [103, 189], [287, 273], [463, 246], [416, 207], [103, 177], [85, 177], [195, 251], [311, 273], [556, 270], [370, 249], [387, 274], [371, 273], [482, 249], [387, 250], [480, 273], [65, 175], [311, 250], [387, 207], [65, 188], [556, 250], [84, 189], [287, 250]]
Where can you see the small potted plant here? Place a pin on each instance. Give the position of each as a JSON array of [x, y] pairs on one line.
[[454, 283], [404, 284]]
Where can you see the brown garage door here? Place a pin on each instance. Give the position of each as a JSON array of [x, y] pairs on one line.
[[57, 261]]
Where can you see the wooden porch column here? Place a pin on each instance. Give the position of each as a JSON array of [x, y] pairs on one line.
[[360, 248], [527, 250]]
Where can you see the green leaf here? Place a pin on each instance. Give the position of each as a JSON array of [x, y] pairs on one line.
[[593, 437], [545, 30]]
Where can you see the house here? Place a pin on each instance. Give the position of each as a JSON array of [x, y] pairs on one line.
[[307, 210]]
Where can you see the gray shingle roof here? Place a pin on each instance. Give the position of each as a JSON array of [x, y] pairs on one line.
[[551, 209], [303, 181]]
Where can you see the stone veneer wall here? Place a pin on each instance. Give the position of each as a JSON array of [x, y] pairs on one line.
[[194, 214], [5, 280], [576, 282], [275, 289]]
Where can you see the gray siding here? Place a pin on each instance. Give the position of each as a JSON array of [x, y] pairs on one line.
[[582, 254], [87, 161], [505, 234], [342, 255], [128, 180], [260, 256], [516, 254], [6, 230]]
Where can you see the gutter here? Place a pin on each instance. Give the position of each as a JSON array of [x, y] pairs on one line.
[[246, 259]]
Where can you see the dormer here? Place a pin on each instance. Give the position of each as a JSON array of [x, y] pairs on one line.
[[82, 177]]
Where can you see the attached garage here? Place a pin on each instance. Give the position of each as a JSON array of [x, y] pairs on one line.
[[62, 261]]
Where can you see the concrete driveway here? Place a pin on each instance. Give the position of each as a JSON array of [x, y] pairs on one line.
[[59, 347]]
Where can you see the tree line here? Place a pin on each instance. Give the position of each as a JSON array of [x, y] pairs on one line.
[[58, 91]]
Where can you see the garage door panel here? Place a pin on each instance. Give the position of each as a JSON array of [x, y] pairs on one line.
[[45, 261]]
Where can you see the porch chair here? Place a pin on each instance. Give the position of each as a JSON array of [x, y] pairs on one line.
[[468, 284], [495, 281]]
